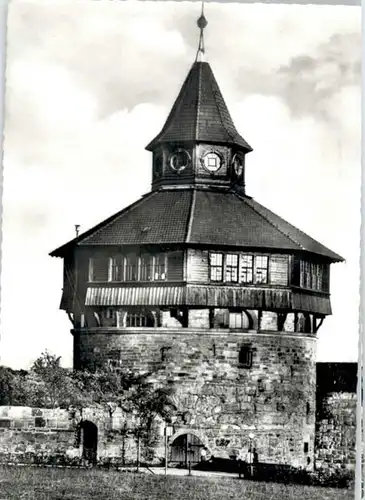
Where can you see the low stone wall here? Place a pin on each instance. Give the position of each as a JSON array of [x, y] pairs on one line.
[[52, 436], [335, 442]]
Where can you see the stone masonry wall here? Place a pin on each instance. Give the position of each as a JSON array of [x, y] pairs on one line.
[[336, 432], [38, 435], [219, 400], [32, 435]]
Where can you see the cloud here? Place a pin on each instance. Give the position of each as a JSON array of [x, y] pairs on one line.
[[308, 82]]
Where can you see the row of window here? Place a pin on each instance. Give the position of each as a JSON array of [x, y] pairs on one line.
[[114, 318], [129, 268], [232, 268], [235, 320], [223, 268]]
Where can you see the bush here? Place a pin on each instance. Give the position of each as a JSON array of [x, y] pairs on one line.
[[333, 479]]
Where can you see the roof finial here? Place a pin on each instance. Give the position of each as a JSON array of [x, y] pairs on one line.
[[202, 23]]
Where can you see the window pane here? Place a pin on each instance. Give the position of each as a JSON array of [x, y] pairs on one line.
[[216, 259], [216, 266], [302, 273], [118, 268], [146, 268], [320, 278], [160, 267], [136, 320], [246, 268], [308, 276], [216, 274], [232, 259], [235, 320], [231, 273], [131, 268], [311, 275], [261, 269], [109, 317]]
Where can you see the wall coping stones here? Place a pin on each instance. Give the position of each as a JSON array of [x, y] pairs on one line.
[[193, 331]]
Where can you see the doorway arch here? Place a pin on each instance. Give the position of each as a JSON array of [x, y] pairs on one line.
[[89, 441], [186, 447]]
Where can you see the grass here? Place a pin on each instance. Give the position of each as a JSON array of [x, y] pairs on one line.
[[28, 483]]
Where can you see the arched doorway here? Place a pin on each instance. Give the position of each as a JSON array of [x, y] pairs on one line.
[[89, 441], [186, 448]]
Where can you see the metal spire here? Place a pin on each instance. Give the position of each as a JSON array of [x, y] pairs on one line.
[[202, 23]]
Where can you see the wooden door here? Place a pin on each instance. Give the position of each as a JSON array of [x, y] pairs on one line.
[[186, 448]]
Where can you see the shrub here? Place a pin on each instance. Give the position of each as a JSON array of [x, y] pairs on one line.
[[333, 479]]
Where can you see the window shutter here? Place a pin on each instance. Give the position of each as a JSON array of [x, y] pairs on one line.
[[99, 268]]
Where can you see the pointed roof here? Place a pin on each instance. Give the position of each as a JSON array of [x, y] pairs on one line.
[[199, 217], [200, 113]]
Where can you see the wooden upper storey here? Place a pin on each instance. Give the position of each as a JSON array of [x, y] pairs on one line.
[[195, 277], [204, 267]]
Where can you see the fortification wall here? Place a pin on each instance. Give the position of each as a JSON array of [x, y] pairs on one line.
[[219, 398], [335, 443], [39, 435]]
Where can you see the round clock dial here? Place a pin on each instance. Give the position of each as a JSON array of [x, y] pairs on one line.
[[212, 161], [179, 160], [238, 164]]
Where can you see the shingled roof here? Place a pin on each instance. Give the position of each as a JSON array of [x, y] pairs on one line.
[[200, 113], [199, 217]]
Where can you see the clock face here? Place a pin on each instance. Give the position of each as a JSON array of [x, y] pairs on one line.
[[179, 160], [212, 161], [237, 163]]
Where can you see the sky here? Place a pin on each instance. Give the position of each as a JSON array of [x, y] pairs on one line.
[[89, 84]]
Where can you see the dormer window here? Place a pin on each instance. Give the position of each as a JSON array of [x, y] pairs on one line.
[[179, 160], [212, 161], [238, 165]]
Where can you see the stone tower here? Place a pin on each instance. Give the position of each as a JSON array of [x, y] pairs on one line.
[[207, 288]]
